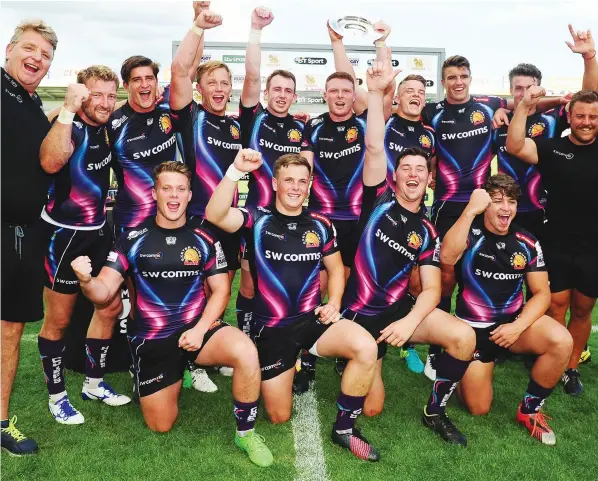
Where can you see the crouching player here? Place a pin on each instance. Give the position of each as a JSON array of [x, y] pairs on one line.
[[168, 262], [492, 261], [288, 246], [395, 238]]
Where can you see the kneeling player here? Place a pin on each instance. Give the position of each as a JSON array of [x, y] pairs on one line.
[[395, 238], [168, 262], [492, 260], [288, 246]]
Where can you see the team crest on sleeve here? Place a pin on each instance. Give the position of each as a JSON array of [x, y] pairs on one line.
[[425, 141], [477, 117], [311, 239], [112, 256], [536, 129], [190, 256], [165, 123], [220, 258], [414, 240], [234, 131], [351, 134], [540, 262], [294, 135], [436, 256], [518, 261]]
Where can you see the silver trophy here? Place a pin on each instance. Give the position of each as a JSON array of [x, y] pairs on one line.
[[354, 26]]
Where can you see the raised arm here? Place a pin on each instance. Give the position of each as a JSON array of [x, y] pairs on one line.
[[250, 95], [455, 240], [181, 84], [518, 144], [378, 76], [219, 210], [100, 289], [583, 43], [57, 147]]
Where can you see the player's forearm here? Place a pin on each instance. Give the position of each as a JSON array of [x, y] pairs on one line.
[[196, 60], [185, 56], [97, 291], [426, 302], [374, 134], [516, 132], [56, 149], [548, 103], [534, 308], [336, 286], [341, 60], [250, 95], [215, 307], [221, 201], [455, 240], [590, 72]]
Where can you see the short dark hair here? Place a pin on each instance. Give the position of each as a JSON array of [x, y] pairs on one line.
[[172, 166], [137, 61], [583, 96], [290, 159], [414, 151], [282, 73], [525, 70], [340, 75], [503, 184], [455, 61], [419, 78]]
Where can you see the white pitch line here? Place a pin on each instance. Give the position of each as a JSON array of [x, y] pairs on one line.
[[594, 328], [309, 453]]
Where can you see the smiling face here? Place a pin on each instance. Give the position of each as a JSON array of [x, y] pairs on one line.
[[583, 118], [411, 98], [215, 88], [28, 60], [411, 178], [500, 213], [172, 194], [456, 81], [102, 99], [142, 89], [519, 86], [280, 95], [291, 185], [340, 95]]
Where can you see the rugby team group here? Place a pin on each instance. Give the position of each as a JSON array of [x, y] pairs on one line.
[[363, 266]]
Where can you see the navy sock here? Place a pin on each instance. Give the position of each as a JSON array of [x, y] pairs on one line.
[[449, 372], [95, 362], [445, 305], [409, 346], [244, 313], [4, 423], [245, 414], [51, 353], [308, 361], [349, 409], [534, 397]]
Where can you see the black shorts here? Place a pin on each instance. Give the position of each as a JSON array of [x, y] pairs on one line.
[[22, 271], [230, 242], [532, 221], [374, 324], [278, 347], [159, 363], [485, 349], [572, 267], [64, 246], [445, 214], [348, 233]]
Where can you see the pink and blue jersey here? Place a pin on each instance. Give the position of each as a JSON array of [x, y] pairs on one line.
[[168, 268], [285, 256], [339, 152], [393, 241], [77, 195], [491, 272]]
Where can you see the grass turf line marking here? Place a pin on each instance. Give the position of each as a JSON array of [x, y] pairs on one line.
[[594, 328], [309, 453]]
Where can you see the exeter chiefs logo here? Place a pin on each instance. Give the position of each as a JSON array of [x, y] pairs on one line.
[[414, 240], [518, 261], [294, 135], [477, 117], [190, 256], [425, 141], [165, 123], [536, 130], [234, 131], [311, 239], [351, 134]]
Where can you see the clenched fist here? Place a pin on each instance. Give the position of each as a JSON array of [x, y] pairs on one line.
[[76, 94], [479, 201], [82, 267], [533, 95], [248, 160], [208, 19], [261, 17]]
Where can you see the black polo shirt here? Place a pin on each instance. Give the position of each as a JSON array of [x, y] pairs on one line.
[[24, 127]]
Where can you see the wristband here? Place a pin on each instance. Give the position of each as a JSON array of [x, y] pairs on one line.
[[234, 174], [380, 43], [65, 116], [589, 58], [255, 36], [198, 31]]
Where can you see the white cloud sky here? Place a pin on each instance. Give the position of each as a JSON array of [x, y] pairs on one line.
[[494, 35]]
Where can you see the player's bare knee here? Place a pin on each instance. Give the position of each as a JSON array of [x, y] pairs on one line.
[[279, 416], [580, 313], [12, 331], [365, 350], [478, 408], [560, 341], [161, 425]]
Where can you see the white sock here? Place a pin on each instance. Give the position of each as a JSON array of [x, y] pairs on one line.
[[93, 383], [56, 397], [242, 434]]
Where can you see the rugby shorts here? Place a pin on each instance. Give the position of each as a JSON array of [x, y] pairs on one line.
[[572, 266], [445, 214], [348, 233], [159, 363]]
